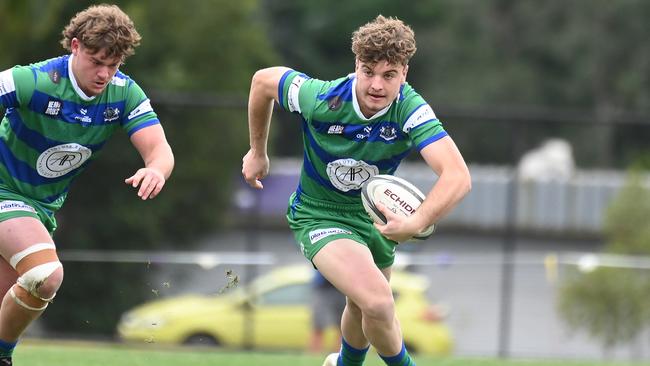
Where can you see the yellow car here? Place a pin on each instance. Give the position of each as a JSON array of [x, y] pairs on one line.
[[273, 312]]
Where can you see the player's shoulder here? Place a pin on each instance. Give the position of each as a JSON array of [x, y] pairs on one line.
[[123, 87], [50, 70], [410, 100], [408, 97], [58, 63], [44, 76], [334, 97], [305, 93], [340, 86], [294, 76], [121, 80]]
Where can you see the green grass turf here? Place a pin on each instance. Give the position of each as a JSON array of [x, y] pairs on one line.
[[40, 353]]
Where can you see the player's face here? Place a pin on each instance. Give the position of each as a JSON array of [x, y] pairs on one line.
[[92, 70], [378, 85]]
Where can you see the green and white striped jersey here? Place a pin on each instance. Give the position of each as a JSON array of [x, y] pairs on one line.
[[51, 130], [343, 148]]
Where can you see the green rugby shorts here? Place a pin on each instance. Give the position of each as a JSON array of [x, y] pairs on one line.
[[315, 223], [14, 205]]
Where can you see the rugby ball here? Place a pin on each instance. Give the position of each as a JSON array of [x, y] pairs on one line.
[[397, 195]]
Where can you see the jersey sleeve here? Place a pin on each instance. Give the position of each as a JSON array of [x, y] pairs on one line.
[[420, 123], [298, 93], [139, 113], [16, 86]]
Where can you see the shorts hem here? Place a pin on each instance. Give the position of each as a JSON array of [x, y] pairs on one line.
[[385, 264], [12, 215]]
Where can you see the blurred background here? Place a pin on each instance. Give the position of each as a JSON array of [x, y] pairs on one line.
[[549, 102]]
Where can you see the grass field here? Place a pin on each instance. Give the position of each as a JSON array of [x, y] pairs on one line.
[[38, 353]]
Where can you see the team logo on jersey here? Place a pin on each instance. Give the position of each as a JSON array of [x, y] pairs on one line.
[[334, 103], [84, 118], [55, 76], [388, 133], [53, 107], [335, 130], [61, 159], [366, 133], [349, 174], [111, 114]]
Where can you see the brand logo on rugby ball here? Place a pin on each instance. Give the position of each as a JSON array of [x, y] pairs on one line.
[[399, 201], [397, 195]]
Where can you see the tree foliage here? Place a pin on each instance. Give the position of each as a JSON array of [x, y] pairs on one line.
[[584, 59], [611, 304]]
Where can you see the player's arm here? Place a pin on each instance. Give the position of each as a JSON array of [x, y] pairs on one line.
[[454, 181], [158, 161], [453, 184], [263, 92]]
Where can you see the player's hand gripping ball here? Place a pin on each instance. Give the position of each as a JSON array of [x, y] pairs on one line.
[[397, 195]]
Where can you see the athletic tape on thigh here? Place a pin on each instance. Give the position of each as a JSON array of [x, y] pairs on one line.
[[32, 249]]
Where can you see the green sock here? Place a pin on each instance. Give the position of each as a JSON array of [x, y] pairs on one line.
[[6, 348], [401, 359], [350, 356]]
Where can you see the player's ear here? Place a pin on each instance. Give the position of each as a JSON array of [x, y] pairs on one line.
[[75, 46]]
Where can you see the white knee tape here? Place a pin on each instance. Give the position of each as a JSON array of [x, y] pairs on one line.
[[32, 249], [22, 303], [34, 278]]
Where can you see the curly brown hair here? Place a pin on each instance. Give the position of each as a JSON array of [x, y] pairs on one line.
[[384, 39], [103, 27]]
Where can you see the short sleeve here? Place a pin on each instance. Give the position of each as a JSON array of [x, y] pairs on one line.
[[16, 86], [420, 122], [139, 112], [298, 93]]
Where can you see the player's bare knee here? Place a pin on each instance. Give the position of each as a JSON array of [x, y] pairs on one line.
[[379, 308]]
